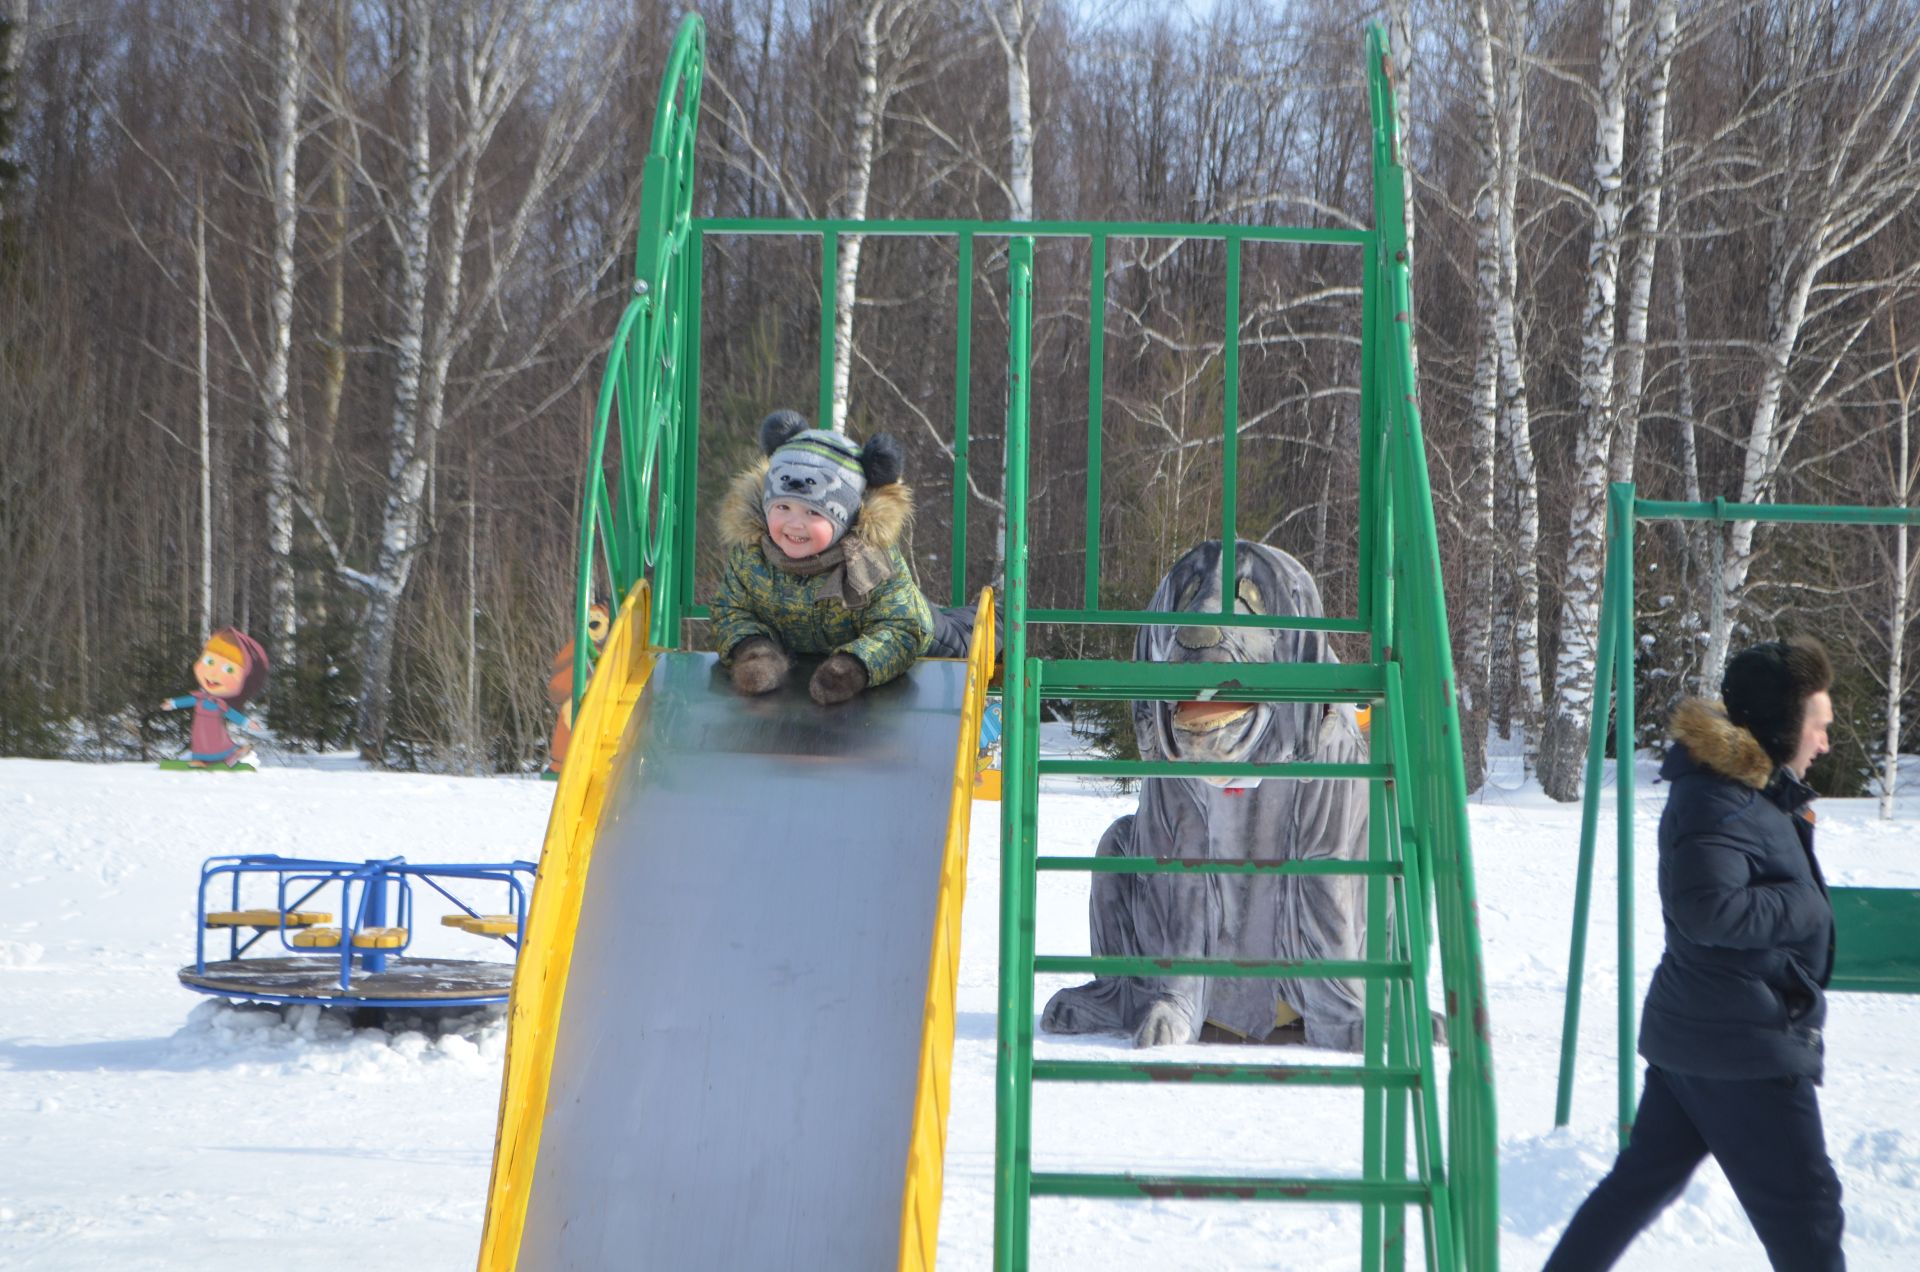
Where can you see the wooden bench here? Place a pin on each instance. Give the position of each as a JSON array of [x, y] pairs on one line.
[[267, 918], [482, 924], [373, 938], [1876, 940]]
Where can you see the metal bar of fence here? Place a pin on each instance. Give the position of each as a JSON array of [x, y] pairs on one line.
[[962, 411], [1817, 514], [1230, 433], [829, 325], [1216, 865], [1033, 229], [1258, 969], [1157, 618], [1297, 770], [1096, 402]]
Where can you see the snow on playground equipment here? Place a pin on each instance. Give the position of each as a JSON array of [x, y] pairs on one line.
[[372, 966], [662, 753], [1876, 930]]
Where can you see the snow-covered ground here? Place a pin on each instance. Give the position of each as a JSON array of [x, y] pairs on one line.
[[143, 1126]]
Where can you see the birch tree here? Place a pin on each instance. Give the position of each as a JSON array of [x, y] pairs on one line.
[[283, 156], [1507, 87], [497, 52], [1838, 126], [1013, 23], [1650, 186], [203, 413], [1900, 576], [1562, 745], [1476, 609], [883, 35]]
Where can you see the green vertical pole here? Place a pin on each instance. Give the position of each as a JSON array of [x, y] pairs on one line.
[[1230, 442], [962, 408], [1096, 405], [1373, 1155], [1014, 1071], [1367, 498], [629, 425], [1399, 1052], [1620, 506], [829, 320], [1589, 820], [688, 428]]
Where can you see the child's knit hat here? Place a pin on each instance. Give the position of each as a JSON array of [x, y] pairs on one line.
[[824, 470]]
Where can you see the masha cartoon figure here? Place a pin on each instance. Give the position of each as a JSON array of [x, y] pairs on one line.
[[230, 671]]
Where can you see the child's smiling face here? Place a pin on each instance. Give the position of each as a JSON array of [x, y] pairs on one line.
[[218, 675], [798, 531]]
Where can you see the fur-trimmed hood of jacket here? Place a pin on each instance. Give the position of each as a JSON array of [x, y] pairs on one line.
[[885, 513], [1718, 743]]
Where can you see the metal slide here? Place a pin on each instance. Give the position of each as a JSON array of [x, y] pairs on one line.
[[738, 1050]]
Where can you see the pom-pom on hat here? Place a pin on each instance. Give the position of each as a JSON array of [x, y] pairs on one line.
[[1766, 690], [824, 470]]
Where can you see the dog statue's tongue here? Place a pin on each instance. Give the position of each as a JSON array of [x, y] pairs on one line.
[[1204, 717]]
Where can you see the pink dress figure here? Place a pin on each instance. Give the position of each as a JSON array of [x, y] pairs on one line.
[[230, 671]]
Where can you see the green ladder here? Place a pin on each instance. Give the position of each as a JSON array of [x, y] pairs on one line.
[[1418, 867]]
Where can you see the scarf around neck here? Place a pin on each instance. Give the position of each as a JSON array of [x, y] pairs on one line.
[[852, 568]]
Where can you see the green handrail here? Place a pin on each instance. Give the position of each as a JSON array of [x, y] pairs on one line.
[[1417, 637], [645, 384]]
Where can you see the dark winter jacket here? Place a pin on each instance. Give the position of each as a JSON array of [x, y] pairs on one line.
[[890, 626], [1740, 991]]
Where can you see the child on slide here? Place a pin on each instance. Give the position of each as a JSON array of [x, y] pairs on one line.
[[814, 564]]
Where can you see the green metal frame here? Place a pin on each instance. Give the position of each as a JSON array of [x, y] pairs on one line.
[[1419, 863], [1876, 951]]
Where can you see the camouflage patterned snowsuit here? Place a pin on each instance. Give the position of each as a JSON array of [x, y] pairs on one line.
[[756, 598]]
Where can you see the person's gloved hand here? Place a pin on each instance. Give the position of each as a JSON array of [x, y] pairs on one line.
[[839, 678], [759, 665]]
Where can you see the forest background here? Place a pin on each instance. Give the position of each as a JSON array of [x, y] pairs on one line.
[[303, 305]]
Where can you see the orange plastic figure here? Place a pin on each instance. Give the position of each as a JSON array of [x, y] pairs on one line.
[[560, 686]]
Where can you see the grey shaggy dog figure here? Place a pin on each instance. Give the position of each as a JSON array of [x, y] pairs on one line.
[[1232, 916]]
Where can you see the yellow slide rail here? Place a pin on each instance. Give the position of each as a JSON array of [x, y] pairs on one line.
[[927, 1153], [540, 982]]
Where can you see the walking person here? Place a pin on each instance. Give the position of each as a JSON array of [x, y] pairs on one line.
[[1731, 1030]]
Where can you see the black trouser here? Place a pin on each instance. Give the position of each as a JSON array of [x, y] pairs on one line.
[[1767, 1137]]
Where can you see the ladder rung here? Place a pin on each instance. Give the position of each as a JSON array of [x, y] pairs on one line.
[[1351, 1075], [1211, 865], [1227, 1187], [1276, 968], [1298, 770], [1193, 618], [1233, 682]]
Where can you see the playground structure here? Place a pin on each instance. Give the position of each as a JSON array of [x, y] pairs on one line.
[[369, 964], [1876, 949], [635, 1105]]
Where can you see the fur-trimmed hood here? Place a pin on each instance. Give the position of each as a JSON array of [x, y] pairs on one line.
[[885, 513], [1717, 743]]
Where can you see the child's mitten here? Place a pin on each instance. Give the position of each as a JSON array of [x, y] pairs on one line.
[[759, 665], [839, 678]]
